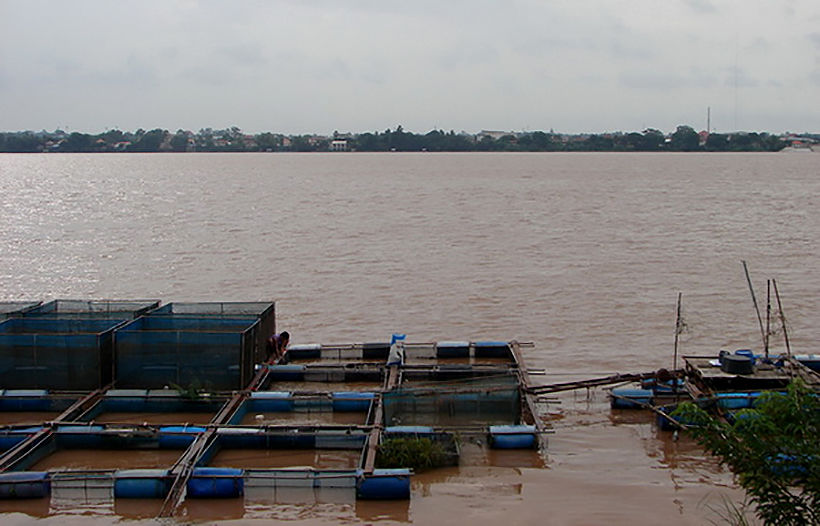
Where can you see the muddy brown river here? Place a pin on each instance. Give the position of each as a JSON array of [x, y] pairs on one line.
[[581, 254]]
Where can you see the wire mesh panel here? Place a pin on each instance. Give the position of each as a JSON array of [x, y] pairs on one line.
[[106, 309], [211, 353], [63, 354], [15, 308], [455, 404], [264, 310]]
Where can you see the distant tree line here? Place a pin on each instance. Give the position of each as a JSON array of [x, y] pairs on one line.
[[683, 139]]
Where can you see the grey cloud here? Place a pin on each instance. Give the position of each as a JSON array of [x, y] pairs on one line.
[[652, 81], [738, 77], [814, 38], [243, 54], [701, 6]]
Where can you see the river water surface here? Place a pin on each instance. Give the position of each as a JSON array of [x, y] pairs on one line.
[[582, 254]]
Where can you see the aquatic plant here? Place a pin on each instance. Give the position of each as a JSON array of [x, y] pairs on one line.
[[416, 453]]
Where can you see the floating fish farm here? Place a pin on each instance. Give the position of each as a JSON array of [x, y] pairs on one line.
[[725, 383], [137, 400]]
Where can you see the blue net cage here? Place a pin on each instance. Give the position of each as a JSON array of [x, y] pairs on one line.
[[65, 354], [211, 353], [264, 310]]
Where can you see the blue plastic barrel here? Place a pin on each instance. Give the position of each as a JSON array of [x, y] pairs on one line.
[[513, 437], [11, 437], [352, 401], [384, 484], [24, 485], [26, 400], [492, 349], [272, 401], [310, 351], [178, 437], [209, 483], [630, 398], [69, 436], [141, 483], [740, 400], [453, 350], [286, 372], [375, 351], [812, 361]]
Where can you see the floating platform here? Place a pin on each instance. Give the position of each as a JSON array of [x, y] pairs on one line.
[[186, 414]]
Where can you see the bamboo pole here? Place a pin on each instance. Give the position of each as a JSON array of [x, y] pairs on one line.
[[768, 318], [754, 300], [678, 329], [782, 319]]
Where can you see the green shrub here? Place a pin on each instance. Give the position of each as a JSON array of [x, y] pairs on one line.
[[416, 453]]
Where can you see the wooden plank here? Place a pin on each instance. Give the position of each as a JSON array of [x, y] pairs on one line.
[[391, 383], [596, 382], [83, 404], [11, 457], [181, 473]]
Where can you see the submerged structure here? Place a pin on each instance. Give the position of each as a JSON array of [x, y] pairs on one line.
[[130, 399]]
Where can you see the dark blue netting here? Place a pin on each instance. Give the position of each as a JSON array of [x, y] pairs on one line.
[[67, 354], [203, 353]]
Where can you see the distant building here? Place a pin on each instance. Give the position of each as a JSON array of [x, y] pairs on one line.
[[339, 145]]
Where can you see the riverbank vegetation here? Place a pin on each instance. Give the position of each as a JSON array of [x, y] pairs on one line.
[[773, 449], [683, 139]]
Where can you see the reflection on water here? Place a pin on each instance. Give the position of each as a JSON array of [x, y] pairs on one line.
[[213, 509], [32, 507], [284, 458], [304, 418], [107, 459], [112, 417], [377, 511]]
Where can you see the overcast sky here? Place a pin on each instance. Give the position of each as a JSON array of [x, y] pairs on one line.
[[363, 65]]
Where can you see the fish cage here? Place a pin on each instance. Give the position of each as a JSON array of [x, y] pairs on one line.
[[212, 353], [60, 354], [264, 310], [487, 353], [324, 378], [191, 418], [277, 408], [470, 402], [154, 406]]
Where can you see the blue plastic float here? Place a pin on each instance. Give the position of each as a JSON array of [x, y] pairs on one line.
[[209, 483], [513, 437], [384, 484], [24, 484], [141, 483], [625, 398]]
